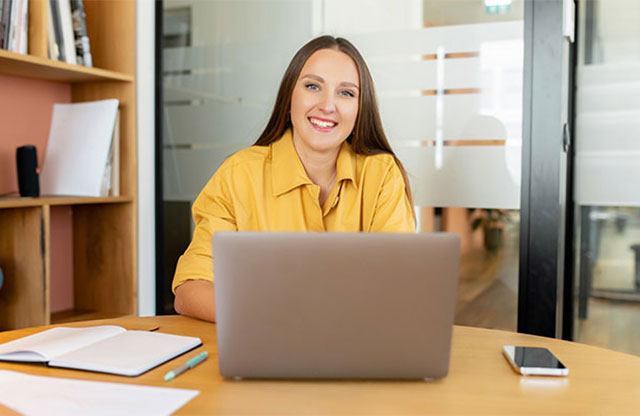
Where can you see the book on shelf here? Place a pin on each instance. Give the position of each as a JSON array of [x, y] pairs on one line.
[[23, 28], [104, 349], [10, 40], [14, 15], [54, 52], [83, 50], [83, 143], [5, 18], [55, 32], [67, 32], [10, 30]]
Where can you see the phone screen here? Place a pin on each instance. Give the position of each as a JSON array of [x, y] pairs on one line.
[[536, 357]]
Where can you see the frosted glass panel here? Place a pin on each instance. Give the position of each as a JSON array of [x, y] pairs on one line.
[[214, 123], [186, 171], [454, 38], [457, 85], [608, 130], [602, 97], [608, 178], [253, 86], [422, 75], [464, 176], [607, 174], [416, 118], [219, 87], [607, 140], [216, 57]]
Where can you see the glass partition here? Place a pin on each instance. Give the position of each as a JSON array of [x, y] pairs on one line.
[[449, 82], [607, 168]]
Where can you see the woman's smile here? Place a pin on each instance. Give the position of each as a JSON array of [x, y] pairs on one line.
[[322, 124]]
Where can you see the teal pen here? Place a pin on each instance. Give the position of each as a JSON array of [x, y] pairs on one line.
[[186, 366]]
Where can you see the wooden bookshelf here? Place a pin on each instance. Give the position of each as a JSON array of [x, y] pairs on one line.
[[104, 230]]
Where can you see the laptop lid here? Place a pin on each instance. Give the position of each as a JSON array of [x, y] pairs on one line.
[[335, 305]]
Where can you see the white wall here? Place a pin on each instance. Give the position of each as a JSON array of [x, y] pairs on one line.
[[145, 94]]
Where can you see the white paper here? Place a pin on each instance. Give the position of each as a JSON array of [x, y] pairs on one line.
[[37, 395], [78, 148]]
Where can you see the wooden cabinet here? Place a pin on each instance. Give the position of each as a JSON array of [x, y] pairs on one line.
[[104, 239]]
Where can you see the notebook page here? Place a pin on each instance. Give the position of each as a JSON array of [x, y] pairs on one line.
[[45, 345], [130, 353], [36, 395]]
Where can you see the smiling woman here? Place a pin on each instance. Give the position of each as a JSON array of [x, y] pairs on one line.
[[323, 113], [323, 163]]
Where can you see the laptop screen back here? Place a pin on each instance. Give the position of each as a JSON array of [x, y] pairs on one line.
[[335, 305]]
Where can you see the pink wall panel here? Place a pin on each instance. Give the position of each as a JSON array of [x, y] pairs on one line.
[[26, 106], [61, 259]]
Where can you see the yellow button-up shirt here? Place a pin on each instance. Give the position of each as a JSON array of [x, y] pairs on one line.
[[265, 188]]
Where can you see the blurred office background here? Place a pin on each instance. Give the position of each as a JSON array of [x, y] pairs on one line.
[[449, 77]]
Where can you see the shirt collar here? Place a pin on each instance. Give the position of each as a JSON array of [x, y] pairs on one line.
[[287, 169]]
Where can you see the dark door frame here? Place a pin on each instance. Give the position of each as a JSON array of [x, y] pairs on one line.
[[546, 272], [160, 292]]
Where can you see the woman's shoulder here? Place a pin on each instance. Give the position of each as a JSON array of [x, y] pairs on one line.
[[380, 161], [246, 158], [374, 170]]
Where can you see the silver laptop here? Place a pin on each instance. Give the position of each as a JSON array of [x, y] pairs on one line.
[[335, 305]]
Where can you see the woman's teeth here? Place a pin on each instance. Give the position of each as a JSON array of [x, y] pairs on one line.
[[320, 123]]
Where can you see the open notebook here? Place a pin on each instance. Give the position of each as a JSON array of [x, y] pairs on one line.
[[105, 349]]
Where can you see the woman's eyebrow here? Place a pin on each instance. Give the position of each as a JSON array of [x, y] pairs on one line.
[[316, 77], [350, 84], [320, 79]]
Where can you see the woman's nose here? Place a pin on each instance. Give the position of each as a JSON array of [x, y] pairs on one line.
[[327, 103]]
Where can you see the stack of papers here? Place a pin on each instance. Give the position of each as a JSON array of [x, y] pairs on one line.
[[36, 395]]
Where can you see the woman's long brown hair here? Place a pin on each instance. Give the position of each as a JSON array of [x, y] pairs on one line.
[[367, 137]]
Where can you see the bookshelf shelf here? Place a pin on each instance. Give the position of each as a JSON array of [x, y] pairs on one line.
[[56, 201], [29, 66], [74, 315]]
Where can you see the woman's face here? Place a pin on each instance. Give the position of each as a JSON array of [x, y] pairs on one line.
[[324, 103]]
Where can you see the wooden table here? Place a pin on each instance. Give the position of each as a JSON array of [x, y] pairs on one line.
[[480, 380]]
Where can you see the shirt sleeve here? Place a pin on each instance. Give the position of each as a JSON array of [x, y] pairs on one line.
[[212, 211], [393, 212]]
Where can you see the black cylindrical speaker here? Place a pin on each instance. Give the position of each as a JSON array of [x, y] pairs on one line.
[[27, 161]]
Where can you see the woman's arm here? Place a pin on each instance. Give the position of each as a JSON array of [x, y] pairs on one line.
[[196, 298], [193, 279]]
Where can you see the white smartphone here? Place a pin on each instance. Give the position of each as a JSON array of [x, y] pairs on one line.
[[534, 361]]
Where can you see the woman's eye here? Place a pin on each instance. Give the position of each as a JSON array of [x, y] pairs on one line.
[[347, 93], [312, 87]]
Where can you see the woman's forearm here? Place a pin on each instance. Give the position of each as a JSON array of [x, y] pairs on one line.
[[196, 298]]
